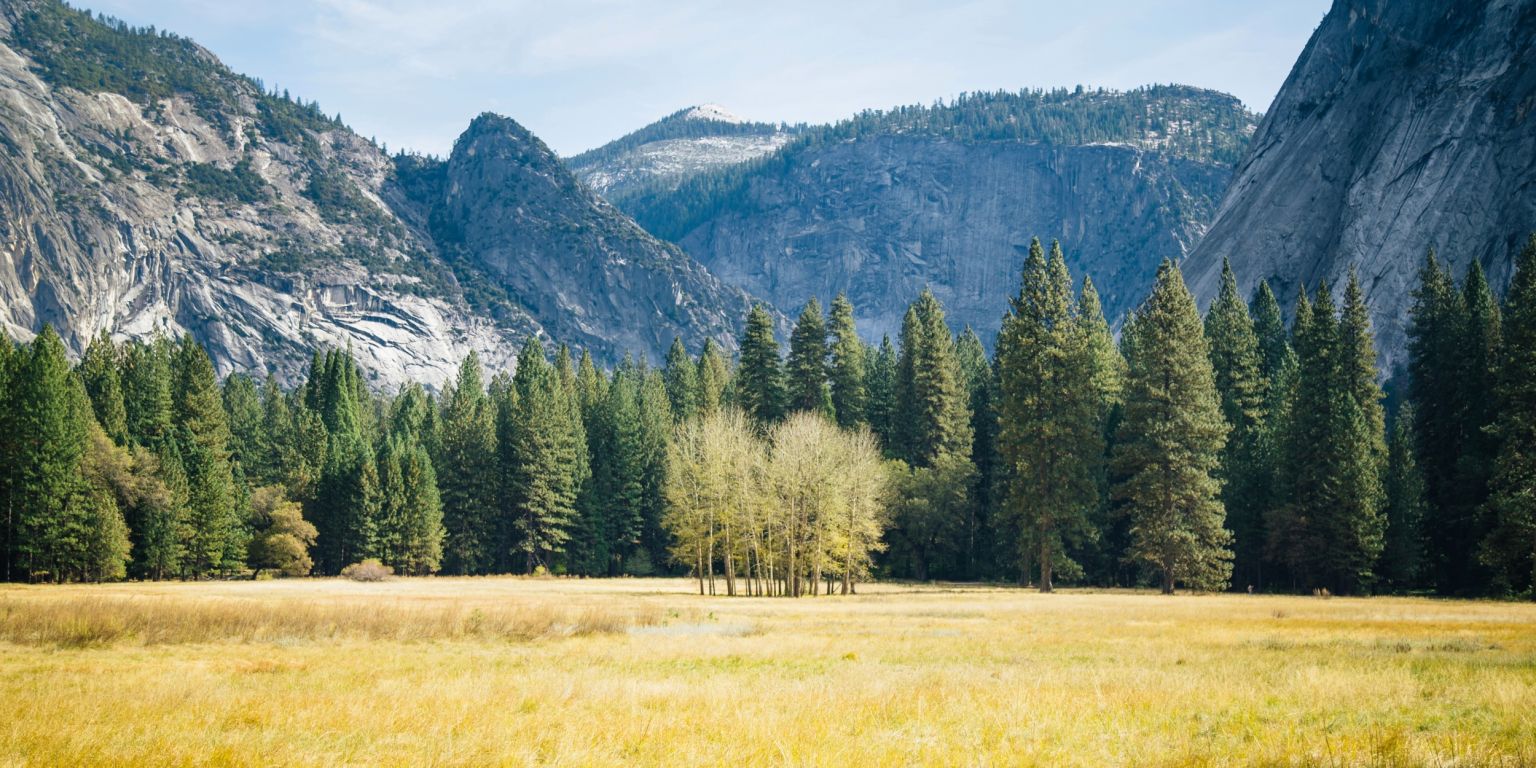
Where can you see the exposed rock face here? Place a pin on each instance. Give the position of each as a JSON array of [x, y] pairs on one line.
[[145, 188], [585, 270], [677, 147], [1403, 126], [884, 214]]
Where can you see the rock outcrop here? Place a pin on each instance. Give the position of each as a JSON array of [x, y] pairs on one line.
[[1403, 126], [145, 188], [674, 149], [949, 198]]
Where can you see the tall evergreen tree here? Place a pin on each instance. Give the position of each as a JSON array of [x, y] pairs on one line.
[[1238, 363], [51, 428], [1403, 487], [682, 378], [99, 370], [847, 378], [1169, 446], [215, 524], [466, 475], [247, 435], [146, 382], [714, 374], [931, 417], [543, 448], [880, 394], [1437, 387], [981, 396], [410, 527], [1510, 547], [760, 375], [1051, 438], [806, 369], [1329, 534]]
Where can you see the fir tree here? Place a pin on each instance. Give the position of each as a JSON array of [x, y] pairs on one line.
[[682, 377], [1329, 533], [466, 471], [410, 529], [1403, 487], [247, 438], [542, 446], [880, 394], [1050, 439], [1510, 548], [760, 376], [931, 417], [1437, 387], [216, 540], [980, 385], [847, 378], [1238, 364], [806, 369], [99, 370], [714, 375], [146, 380], [1169, 446], [50, 425]]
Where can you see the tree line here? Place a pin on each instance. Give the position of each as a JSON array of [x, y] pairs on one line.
[[1232, 449]]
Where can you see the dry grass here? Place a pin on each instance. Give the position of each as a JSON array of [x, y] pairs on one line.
[[535, 672]]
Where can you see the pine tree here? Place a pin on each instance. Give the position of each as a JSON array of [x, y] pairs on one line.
[[1437, 387], [714, 375], [1237, 362], [410, 529], [1169, 446], [50, 426], [1102, 556], [216, 540], [806, 369], [981, 395], [1329, 533], [466, 471], [760, 376], [99, 370], [541, 447], [880, 394], [1051, 439], [146, 380], [931, 417], [9, 446], [1403, 487], [682, 377], [247, 436], [1510, 548], [847, 378]]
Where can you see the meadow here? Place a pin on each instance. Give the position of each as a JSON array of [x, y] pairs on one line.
[[508, 671]]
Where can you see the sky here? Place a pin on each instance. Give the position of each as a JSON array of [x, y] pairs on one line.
[[579, 73]]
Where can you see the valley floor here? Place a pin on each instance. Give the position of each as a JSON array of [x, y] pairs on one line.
[[510, 671]]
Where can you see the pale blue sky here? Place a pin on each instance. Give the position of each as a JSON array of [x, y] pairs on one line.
[[581, 72]]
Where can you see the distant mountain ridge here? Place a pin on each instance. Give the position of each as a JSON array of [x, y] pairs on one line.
[[146, 188], [668, 152], [947, 196]]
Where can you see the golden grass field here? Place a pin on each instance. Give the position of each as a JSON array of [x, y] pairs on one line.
[[510, 671]]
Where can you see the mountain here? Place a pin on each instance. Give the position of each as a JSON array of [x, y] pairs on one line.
[[948, 196], [146, 188], [1403, 126], [676, 148]]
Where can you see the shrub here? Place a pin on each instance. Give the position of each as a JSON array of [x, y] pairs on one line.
[[368, 570]]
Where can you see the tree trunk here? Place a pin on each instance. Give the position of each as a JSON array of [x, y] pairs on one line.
[[1045, 565], [1167, 579]]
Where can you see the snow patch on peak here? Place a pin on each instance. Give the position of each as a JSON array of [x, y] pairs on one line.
[[713, 112]]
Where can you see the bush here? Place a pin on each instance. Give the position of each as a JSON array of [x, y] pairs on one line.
[[368, 570]]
